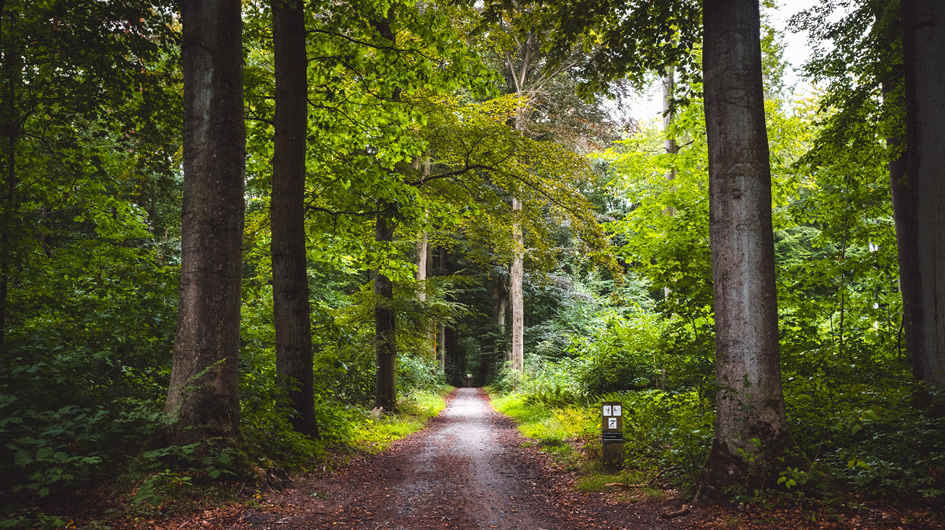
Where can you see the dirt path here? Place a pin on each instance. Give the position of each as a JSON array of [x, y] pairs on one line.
[[467, 470]]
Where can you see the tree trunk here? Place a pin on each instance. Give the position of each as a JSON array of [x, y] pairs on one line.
[[516, 277], [203, 396], [669, 87], [385, 337], [441, 347], [9, 208], [423, 249], [441, 336], [924, 50], [456, 362], [287, 210], [500, 298], [903, 194], [516, 354], [10, 124], [750, 427]]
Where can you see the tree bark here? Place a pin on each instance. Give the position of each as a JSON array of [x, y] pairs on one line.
[[924, 50], [669, 87], [516, 298], [903, 194], [750, 427], [385, 337], [10, 124], [203, 396], [441, 328], [290, 293]]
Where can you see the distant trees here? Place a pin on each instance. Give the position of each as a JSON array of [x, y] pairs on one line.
[[203, 396]]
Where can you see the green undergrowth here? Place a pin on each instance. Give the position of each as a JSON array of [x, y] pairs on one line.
[[379, 429], [666, 437], [559, 431], [161, 483]]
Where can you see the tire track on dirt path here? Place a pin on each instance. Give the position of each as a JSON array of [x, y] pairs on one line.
[[466, 470]]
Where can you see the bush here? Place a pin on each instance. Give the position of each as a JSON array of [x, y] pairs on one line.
[[416, 373], [621, 355]]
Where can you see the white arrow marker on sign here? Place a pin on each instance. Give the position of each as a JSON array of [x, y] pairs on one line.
[[611, 423]]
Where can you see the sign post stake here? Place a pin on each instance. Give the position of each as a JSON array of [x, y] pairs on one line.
[[612, 434]]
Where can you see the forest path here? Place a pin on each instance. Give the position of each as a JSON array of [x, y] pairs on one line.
[[468, 469]]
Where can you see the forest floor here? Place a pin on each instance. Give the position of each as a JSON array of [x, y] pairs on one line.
[[470, 469]]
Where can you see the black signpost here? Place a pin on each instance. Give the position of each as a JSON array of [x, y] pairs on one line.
[[612, 433]]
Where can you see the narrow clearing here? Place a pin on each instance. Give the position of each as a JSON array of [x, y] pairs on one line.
[[468, 469]]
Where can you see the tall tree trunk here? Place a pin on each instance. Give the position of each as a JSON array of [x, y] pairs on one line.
[[924, 50], [423, 253], [499, 294], [385, 337], [287, 210], [903, 203], [669, 88], [441, 328], [6, 239], [516, 354], [516, 278], [495, 356], [456, 361], [750, 427], [203, 396], [10, 124]]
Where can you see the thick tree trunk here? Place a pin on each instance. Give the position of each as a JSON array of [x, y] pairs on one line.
[[287, 210], [385, 336], [516, 278], [924, 49], [750, 428], [203, 397]]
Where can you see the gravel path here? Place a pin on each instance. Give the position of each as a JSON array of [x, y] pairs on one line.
[[468, 469]]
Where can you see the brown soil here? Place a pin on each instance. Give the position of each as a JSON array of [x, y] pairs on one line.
[[467, 470]]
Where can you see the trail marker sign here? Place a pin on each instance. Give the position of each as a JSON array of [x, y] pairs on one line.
[[612, 433]]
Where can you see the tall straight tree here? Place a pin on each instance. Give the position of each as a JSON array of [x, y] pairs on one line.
[[287, 210], [750, 417], [924, 50], [385, 330], [203, 397]]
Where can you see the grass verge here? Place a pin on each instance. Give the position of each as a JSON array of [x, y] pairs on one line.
[[571, 435], [415, 410]]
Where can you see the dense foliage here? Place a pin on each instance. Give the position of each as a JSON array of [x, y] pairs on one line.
[[618, 282]]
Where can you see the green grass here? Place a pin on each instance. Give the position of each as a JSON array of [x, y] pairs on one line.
[[557, 431], [378, 432], [551, 428], [599, 481]]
